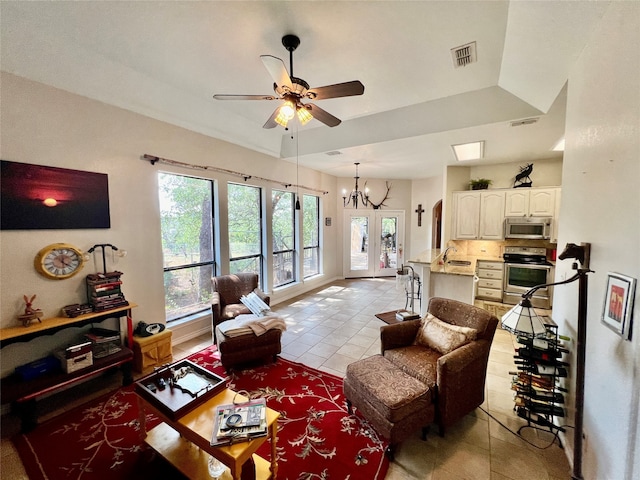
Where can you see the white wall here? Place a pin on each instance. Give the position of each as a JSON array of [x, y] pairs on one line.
[[47, 126], [427, 192], [601, 205]]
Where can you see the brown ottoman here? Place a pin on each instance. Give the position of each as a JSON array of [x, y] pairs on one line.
[[248, 347], [395, 403]]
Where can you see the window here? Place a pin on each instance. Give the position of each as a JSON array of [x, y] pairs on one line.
[[245, 229], [311, 235], [284, 245], [186, 222]]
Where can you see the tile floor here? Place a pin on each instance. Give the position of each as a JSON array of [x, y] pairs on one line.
[[335, 325]]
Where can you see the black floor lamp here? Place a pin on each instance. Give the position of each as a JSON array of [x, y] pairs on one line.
[[523, 320]]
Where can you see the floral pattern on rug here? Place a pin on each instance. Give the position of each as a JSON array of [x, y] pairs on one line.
[[321, 437], [317, 438], [103, 437]]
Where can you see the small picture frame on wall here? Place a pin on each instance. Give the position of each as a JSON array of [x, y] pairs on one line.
[[617, 311]]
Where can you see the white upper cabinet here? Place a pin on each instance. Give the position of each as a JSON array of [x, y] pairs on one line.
[[526, 202], [466, 215], [479, 215], [492, 215]]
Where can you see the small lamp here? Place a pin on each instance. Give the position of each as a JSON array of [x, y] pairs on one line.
[[524, 321]]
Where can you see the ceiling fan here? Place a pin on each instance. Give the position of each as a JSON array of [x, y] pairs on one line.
[[294, 90]]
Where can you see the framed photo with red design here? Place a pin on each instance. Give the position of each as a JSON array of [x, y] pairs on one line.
[[617, 311]]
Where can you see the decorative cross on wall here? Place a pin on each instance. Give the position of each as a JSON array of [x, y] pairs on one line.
[[420, 211]]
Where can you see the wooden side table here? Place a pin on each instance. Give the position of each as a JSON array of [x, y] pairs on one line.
[[152, 351]]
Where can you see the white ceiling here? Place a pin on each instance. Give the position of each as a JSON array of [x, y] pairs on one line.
[[166, 59]]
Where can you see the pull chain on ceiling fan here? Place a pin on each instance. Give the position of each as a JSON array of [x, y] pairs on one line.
[[293, 90]]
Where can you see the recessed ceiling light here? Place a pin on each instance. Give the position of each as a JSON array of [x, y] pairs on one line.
[[559, 147], [469, 151]]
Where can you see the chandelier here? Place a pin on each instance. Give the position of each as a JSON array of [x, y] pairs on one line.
[[355, 194]]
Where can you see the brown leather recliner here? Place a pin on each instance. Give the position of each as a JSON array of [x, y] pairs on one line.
[[227, 290], [458, 377]]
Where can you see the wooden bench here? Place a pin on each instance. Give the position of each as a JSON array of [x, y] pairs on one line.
[[23, 394]]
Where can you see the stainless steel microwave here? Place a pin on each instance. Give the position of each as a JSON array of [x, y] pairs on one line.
[[538, 228]]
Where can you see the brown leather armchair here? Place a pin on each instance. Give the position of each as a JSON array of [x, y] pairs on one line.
[[458, 377], [227, 290]]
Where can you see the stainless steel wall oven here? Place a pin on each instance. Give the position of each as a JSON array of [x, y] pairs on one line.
[[525, 268]]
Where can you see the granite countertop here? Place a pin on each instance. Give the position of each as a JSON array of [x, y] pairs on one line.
[[433, 259], [438, 266]]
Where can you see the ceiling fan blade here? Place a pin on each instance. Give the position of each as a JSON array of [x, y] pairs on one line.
[[277, 70], [271, 123], [244, 97], [322, 115], [346, 89]]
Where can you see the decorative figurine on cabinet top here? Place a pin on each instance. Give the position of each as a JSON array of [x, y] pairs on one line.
[[522, 178], [30, 313]]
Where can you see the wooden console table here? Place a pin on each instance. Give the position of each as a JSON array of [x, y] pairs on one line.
[[23, 393], [51, 325]]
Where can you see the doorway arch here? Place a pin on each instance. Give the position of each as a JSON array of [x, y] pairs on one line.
[[436, 225]]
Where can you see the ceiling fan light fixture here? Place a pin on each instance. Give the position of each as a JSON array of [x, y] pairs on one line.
[[285, 113], [304, 116], [288, 110]]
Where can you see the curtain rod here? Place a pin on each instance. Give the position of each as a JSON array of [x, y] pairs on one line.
[[153, 160]]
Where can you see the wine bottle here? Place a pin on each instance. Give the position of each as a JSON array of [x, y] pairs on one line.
[[519, 360], [539, 394], [544, 408], [537, 419], [548, 370], [537, 354], [543, 344]]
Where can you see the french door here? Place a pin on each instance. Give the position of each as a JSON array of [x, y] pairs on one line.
[[373, 242]]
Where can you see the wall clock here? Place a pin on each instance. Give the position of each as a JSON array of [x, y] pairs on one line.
[[59, 261]]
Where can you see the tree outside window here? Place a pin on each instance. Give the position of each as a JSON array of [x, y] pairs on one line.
[[311, 235], [245, 229], [284, 248], [186, 221]]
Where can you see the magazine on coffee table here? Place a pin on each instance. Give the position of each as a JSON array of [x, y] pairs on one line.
[[237, 422]]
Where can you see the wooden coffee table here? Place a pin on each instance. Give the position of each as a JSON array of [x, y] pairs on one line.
[[185, 442]]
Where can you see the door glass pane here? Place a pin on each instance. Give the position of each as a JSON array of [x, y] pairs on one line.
[[359, 243], [388, 239]]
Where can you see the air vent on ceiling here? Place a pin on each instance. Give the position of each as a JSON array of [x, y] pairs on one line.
[[464, 55], [526, 121], [334, 152]]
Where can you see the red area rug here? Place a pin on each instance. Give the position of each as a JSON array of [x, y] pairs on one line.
[[317, 438]]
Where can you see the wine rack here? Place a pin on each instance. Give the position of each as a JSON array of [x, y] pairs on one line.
[[540, 366]]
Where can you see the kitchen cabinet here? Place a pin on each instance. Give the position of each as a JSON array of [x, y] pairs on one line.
[[479, 215], [530, 202], [489, 280]]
